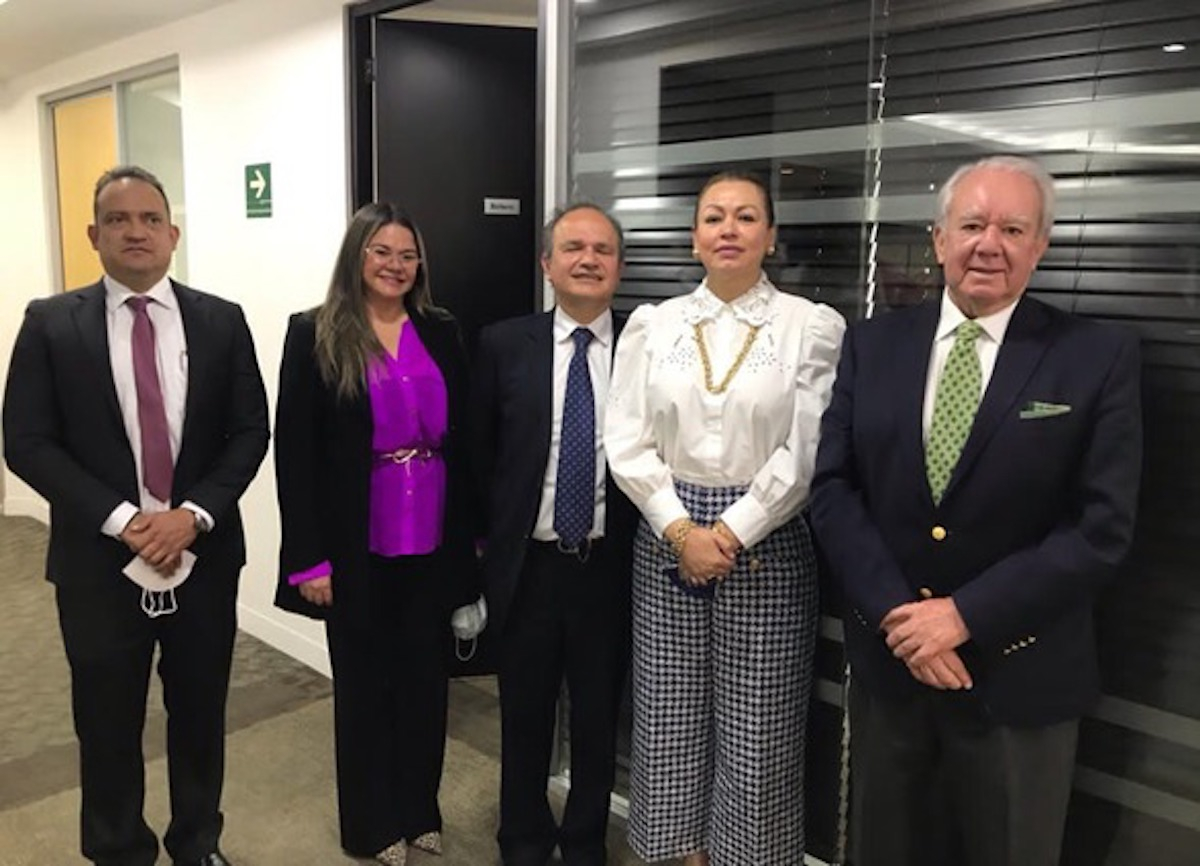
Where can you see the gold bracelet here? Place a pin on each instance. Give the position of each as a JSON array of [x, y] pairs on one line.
[[679, 534]]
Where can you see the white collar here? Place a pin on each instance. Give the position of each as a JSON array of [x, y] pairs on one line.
[[117, 293], [753, 307], [994, 325], [601, 327]]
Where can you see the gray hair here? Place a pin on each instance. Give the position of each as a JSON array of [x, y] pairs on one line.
[[559, 213], [1019, 164]]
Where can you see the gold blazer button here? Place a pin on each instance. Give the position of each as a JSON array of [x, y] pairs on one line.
[[938, 533]]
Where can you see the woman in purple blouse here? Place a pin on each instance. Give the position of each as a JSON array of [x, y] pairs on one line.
[[377, 520]]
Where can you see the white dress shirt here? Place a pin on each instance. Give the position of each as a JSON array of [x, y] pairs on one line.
[[762, 431], [987, 345], [170, 344], [599, 365]]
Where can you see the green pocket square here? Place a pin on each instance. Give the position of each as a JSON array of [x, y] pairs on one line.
[[1035, 409]]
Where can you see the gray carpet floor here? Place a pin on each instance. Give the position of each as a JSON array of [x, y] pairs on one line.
[[279, 793]]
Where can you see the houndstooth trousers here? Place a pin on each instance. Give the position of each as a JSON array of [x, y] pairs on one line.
[[720, 698]]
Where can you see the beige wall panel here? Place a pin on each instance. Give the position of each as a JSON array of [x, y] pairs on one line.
[[85, 146]]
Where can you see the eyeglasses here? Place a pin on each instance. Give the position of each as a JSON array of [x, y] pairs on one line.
[[384, 255]]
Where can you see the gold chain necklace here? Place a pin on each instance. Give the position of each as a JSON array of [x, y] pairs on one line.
[[705, 362]]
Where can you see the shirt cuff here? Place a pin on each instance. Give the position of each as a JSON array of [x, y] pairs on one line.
[[322, 569], [663, 509], [204, 516], [748, 520], [119, 519]]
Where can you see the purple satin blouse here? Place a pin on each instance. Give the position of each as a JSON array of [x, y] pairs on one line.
[[408, 488]]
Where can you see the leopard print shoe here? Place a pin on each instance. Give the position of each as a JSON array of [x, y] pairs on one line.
[[395, 854], [430, 842]]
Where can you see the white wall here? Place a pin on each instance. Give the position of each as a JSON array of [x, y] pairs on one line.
[[261, 81]]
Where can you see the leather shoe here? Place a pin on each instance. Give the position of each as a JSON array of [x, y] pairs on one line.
[[216, 858]]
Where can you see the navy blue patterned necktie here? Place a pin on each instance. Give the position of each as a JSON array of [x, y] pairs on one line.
[[575, 485]]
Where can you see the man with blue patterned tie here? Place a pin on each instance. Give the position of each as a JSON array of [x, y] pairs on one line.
[[559, 540]]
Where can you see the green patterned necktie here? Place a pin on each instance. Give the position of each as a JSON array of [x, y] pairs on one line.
[[953, 408]]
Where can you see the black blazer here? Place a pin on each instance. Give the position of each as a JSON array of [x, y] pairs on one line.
[[1038, 514], [63, 432], [323, 472], [512, 410]]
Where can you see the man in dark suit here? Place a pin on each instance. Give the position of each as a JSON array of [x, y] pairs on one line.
[[559, 542], [976, 483], [135, 406]]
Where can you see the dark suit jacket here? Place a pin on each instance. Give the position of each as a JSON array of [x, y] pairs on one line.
[[323, 462], [63, 432], [512, 416], [1038, 514]]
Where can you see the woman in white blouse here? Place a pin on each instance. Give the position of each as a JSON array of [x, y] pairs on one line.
[[711, 430]]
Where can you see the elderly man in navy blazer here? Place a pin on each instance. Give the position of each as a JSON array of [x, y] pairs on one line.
[[559, 543], [976, 484], [135, 406]]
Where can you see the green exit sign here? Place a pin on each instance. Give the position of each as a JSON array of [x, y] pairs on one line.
[[258, 190]]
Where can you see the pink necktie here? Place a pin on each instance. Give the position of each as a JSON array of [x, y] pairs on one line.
[[157, 468]]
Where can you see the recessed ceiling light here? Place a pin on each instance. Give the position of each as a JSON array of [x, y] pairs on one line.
[[1174, 47]]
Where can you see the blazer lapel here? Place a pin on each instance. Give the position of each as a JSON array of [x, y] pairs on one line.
[[195, 327], [541, 354], [618, 320], [908, 393], [1024, 346], [90, 319]]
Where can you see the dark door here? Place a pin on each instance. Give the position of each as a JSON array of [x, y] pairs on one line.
[[455, 128]]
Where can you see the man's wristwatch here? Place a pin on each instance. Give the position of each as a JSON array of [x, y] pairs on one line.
[[199, 523]]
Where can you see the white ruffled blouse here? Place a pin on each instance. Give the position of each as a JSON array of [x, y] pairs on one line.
[[662, 423]]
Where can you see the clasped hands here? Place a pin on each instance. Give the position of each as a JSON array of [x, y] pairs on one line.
[[160, 538], [707, 553], [925, 635]]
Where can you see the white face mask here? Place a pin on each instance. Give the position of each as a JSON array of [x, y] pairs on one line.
[[158, 591], [156, 604], [467, 623]]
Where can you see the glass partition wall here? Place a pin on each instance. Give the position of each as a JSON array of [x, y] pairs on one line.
[[856, 111]]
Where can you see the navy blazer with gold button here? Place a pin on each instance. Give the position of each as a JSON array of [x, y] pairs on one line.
[[1038, 513]]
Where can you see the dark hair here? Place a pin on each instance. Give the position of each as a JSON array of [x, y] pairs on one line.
[[734, 175], [124, 172], [345, 341], [559, 213]]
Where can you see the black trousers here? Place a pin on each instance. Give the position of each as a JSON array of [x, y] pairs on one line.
[[389, 699], [110, 647], [935, 784], [570, 619]]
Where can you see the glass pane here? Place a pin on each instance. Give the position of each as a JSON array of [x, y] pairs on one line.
[[857, 111], [85, 146], [1104, 94], [152, 137], [666, 94]]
